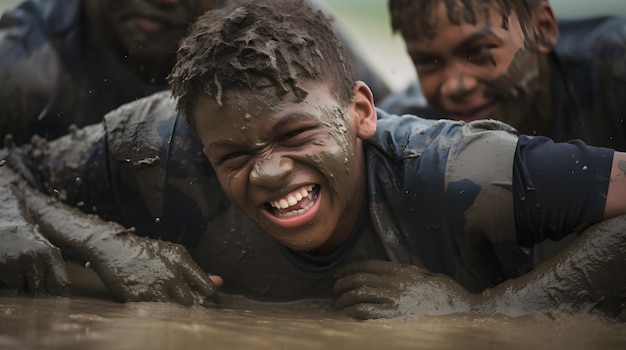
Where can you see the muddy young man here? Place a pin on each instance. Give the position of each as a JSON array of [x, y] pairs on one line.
[[65, 62], [513, 61], [284, 182]]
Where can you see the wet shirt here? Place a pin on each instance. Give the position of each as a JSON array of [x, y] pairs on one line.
[[54, 73], [588, 83], [460, 199], [588, 77], [471, 200]]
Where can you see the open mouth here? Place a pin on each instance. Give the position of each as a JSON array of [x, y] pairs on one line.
[[296, 203]]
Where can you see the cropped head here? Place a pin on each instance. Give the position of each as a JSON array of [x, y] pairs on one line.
[[480, 58], [268, 88], [146, 30]]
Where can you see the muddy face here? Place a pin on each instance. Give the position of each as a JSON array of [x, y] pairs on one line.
[[476, 70], [148, 27], [295, 168]]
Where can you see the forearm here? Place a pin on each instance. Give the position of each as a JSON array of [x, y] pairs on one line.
[[73, 231], [28, 261], [616, 194], [586, 276]]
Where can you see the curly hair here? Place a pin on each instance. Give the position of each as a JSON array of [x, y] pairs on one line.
[[255, 44], [405, 13]]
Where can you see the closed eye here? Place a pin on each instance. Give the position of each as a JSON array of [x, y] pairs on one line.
[[297, 137], [231, 160]]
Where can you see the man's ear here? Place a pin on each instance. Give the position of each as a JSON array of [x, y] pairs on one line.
[[363, 110], [546, 29]]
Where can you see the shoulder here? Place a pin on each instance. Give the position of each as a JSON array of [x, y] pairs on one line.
[[592, 37], [143, 126], [410, 136]]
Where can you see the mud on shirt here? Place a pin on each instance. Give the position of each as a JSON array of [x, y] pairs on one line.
[[467, 200]]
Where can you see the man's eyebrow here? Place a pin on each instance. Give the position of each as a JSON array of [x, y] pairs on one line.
[[461, 46], [283, 121], [291, 117], [481, 34], [222, 144]]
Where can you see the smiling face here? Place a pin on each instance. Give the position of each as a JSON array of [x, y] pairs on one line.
[[296, 168], [485, 68]]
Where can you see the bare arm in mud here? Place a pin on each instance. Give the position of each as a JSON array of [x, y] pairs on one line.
[[133, 268], [28, 261], [586, 276]]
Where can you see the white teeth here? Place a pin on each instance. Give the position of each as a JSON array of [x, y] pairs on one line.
[[296, 212], [293, 198]]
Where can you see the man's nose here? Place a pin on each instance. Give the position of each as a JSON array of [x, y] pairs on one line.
[[270, 170], [458, 84]]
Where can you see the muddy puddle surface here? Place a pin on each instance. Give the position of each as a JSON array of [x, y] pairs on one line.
[[96, 323]]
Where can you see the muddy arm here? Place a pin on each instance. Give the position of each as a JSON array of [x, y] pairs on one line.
[[28, 261], [76, 169], [133, 268], [586, 277]]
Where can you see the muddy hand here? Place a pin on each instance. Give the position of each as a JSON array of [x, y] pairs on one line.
[[384, 289], [141, 269], [133, 268], [28, 262]]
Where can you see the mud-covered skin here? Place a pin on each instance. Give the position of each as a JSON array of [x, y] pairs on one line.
[[586, 87], [155, 178], [161, 184], [28, 261], [133, 268], [584, 278]]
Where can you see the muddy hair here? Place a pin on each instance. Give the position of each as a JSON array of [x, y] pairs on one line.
[[405, 14], [253, 45]]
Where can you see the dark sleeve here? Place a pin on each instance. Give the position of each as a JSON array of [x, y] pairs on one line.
[[558, 188], [74, 168]]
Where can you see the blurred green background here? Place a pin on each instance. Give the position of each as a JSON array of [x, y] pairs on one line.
[[366, 22]]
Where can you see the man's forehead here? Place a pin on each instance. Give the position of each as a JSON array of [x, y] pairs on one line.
[[443, 13]]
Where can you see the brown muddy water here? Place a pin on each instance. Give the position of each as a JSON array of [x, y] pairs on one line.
[[93, 321]]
